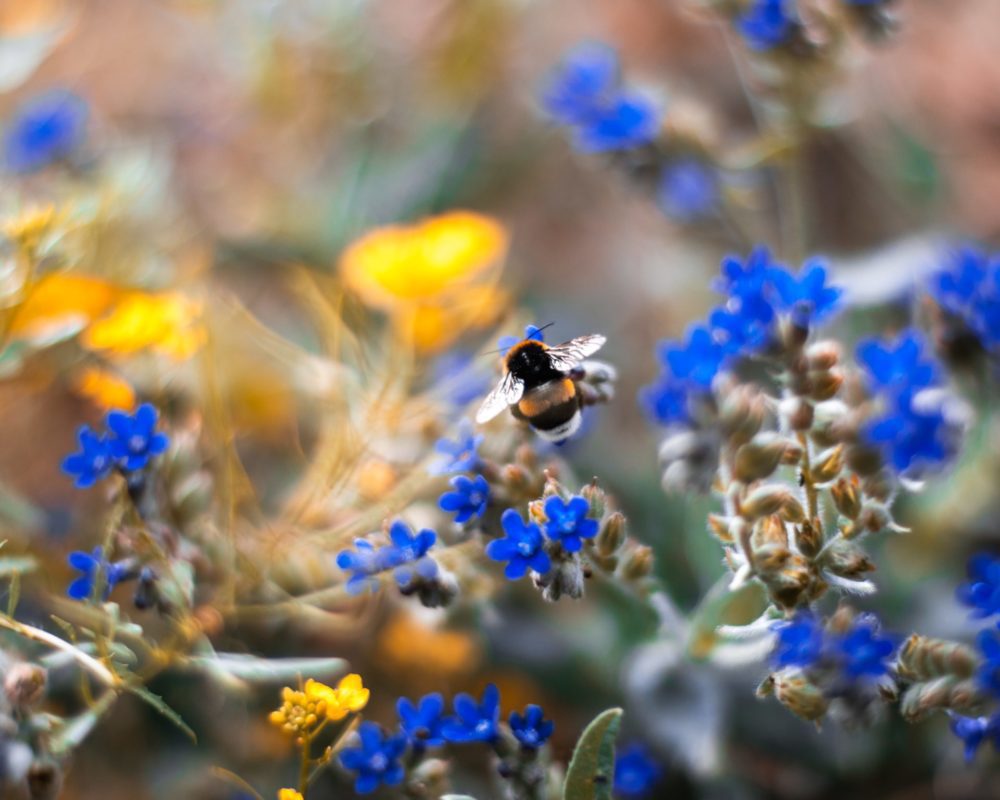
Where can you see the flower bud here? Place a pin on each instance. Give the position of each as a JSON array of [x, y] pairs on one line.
[[771, 530], [596, 498], [825, 385], [718, 526], [847, 497], [741, 414], [515, 478], [758, 458], [881, 486], [766, 500], [526, 456], [611, 535], [809, 538], [827, 465], [863, 459], [24, 685], [800, 696], [823, 355], [922, 658], [638, 563], [874, 517], [847, 560], [770, 558]]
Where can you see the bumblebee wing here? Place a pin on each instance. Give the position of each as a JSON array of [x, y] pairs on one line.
[[569, 354], [504, 394]]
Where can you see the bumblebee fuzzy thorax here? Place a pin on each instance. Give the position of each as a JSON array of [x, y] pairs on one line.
[[529, 362]]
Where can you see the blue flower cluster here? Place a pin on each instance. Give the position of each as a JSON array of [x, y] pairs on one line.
[[406, 556], [863, 652], [460, 454], [758, 293], [636, 771], [47, 128], [973, 731], [128, 445], [95, 571], [524, 545], [912, 430], [424, 724], [766, 24], [969, 287], [585, 93]]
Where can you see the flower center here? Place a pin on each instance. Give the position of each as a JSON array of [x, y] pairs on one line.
[[137, 443], [525, 548], [379, 762], [483, 726]]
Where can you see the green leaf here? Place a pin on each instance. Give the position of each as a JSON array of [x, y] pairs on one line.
[[592, 769], [723, 606], [75, 730], [158, 703], [14, 593], [264, 670]]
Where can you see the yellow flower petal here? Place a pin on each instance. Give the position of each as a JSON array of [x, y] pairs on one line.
[[105, 389], [166, 322], [62, 300], [289, 794]]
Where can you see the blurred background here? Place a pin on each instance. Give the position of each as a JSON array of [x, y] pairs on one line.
[[232, 146]]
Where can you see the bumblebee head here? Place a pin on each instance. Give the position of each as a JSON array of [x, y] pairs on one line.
[[528, 360]]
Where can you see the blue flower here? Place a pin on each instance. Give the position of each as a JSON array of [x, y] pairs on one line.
[[988, 675], [911, 434], [94, 566], [807, 297], [585, 93], [407, 555], [956, 286], [134, 440], [459, 454], [422, 723], [522, 547], [376, 759], [697, 360], [531, 729], [474, 722], [460, 378], [973, 731], [568, 523], [666, 400], [800, 642], [47, 128], [767, 23], [863, 652], [504, 343], [982, 593], [898, 365], [469, 498], [636, 771], [363, 564], [93, 462], [689, 190]]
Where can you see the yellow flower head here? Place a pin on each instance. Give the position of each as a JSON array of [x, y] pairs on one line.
[[302, 711], [62, 301], [105, 389], [351, 696], [165, 322], [289, 794]]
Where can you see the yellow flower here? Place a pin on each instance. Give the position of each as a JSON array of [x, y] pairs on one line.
[[302, 711], [289, 794], [105, 389], [351, 696], [435, 278], [165, 322], [62, 301]]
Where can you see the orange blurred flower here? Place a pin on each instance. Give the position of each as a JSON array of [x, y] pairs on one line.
[[166, 322], [62, 302], [105, 389]]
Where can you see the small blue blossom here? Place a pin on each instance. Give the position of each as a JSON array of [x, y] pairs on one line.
[[982, 592], [807, 297], [568, 523], [973, 731], [697, 360], [422, 722], [531, 729], [636, 771], [94, 566], [522, 547], [898, 365], [767, 23], [47, 128], [133, 437], [474, 722], [800, 642], [504, 343], [988, 674], [469, 498], [407, 555], [689, 190], [666, 400], [459, 454], [363, 563], [910, 435], [93, 461], [460, 378], [863, 652], [956, 286], [585, 93], [375, 759]]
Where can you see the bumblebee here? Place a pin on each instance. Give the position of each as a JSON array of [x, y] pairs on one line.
[[547, 387]]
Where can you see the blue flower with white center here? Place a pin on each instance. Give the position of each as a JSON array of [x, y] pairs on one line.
[[468, 499], [800, 642], [912, 434], [523, 547], [94, 567], [807, 296], [697, 360], [422, 722], [973, 731], [375, 759], [474, 721], [636, 771], [504, 343], [363, 563], [47, 128], [689, 190], [982, 592], [988, 674], [898, 365], [863, 652], [133, 439], [531, 729], [767, 23], [459, 454], [567, 522], [93, 462], [666, 400]]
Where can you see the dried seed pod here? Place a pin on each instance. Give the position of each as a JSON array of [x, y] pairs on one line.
[[637, 563], [719, 528], [847, 560], [741, 414], [827, 465], [799, 696], [765, 500], [825, 385], [611, 536], [922, 658], [846, 496], [809, 537], [758, 458]]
